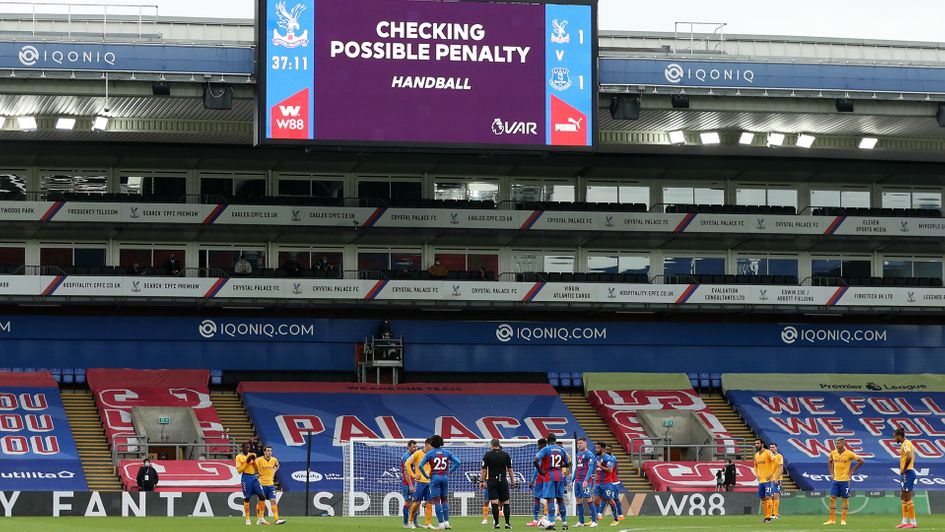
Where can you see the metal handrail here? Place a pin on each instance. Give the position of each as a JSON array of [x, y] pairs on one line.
[[142, 445], [657, 449]]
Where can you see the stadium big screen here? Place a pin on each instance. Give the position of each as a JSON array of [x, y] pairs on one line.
[[413, 72]]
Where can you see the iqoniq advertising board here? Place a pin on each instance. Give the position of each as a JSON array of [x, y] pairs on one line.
[[402, 72]]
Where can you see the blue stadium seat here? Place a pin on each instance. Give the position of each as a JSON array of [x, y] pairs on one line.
[[216, 376], [18, 370], [29, 370], [694, 380], [716, 379], [565, 380], [553, 379], [577, 379], [80, 376], [704, 381], [68, 378], [56, 374]]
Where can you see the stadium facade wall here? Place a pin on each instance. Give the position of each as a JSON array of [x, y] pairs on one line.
[[469, 346]]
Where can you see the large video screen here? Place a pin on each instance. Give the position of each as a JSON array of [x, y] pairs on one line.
[[416, 72]]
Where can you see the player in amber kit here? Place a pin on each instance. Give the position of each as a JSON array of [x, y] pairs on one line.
[[776, 483], [839, 467], [765, 468], [267, 465], [420, 485], [249, 480], [907, 470]]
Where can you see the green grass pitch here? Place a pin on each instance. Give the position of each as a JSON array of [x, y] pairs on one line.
[[336, 524]]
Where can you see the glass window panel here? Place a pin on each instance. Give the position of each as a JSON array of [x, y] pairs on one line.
[[127, 257], [406, 190], [522, 192], [602, 264], [405, 261], [561, 193], [854, 198], [449, 191], [89, 257], [634, 265], [374, 189], [926, 200], [709, 196], [249, 188], [171, 187], [825, 267], [639, 195], [923, 268], [751, 266], [782, 267], [677, 196], [10, 183], [132, 184], [856, 268], [709, 265], [527, 262], [602, 194], [294, 187], [12, 256], [750, 196], [897, 268], [55, 256], [454, 262], [780, 197], [559, 263], [373, 261], [678, 266], [474, 261], [74, 183], [825, 198], [483, 192], [897, 200], [213, 185], [327, 188]]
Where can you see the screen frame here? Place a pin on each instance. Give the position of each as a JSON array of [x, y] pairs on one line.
[[261, 73]]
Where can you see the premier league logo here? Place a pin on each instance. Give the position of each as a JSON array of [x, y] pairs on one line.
[[136, 286], [296, 215], [134, 213], [558, 35], [560, 78], [289, 21], [454, 218]]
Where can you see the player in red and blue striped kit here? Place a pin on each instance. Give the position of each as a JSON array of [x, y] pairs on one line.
[[555, 478], [604, 492], [442, 464], [583, 478]]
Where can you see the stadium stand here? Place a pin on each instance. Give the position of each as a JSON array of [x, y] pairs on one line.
[[680, 476], [38, 451], [285, 412], [185, 475], [804, 415], [118, 392]]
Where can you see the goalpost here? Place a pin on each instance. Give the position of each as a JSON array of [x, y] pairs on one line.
[[372, 477]]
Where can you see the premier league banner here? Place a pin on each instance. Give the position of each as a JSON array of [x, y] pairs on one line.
[[411, 71], [37, 452], [806, 424], [285, 414]]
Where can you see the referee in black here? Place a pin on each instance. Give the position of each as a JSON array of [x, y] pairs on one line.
[[495, 475]]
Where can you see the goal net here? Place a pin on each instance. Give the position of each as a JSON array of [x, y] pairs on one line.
[[372, 475]]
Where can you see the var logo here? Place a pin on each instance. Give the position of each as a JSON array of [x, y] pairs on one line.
[[289, 119]]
